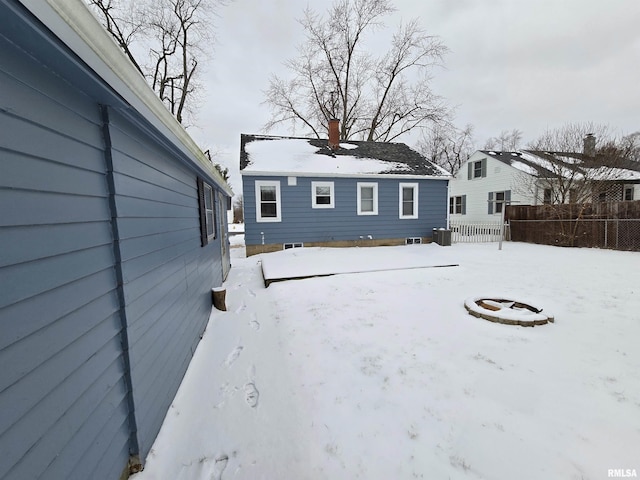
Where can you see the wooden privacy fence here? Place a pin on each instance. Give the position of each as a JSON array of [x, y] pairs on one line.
[[613, 225], [476, 232]]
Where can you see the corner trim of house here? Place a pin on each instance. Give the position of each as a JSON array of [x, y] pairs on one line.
[[134, 447]]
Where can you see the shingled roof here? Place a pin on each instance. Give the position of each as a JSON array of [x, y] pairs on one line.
[[521, 161], [547, 164], [264, 154]]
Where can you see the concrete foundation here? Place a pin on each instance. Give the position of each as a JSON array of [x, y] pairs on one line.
[[275, 247]]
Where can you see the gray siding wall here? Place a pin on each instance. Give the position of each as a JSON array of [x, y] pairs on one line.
[[167, 275], [302, 223], [63, 406]]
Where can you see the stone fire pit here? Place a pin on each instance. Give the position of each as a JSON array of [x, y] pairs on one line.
[[509, 312]]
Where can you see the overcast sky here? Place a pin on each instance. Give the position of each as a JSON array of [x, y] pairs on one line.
[[524, 64]]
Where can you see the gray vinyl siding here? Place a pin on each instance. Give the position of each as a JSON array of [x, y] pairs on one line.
[[105, 289], [61, 381], [167, 274], [302, 223]]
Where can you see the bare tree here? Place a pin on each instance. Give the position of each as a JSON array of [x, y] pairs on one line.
[[122, 22], [581, 162], [575, 170], [447, 146], [506, 141], [238, 209], [570, 137], [375, 98], [626, 147], [630, 145], [173, 34]]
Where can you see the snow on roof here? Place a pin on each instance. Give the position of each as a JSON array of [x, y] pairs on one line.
[[348, 146], [555, 167], [299, 156], [523, 167], [607, 173], [262, 154]]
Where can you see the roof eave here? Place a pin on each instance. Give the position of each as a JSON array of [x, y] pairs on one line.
[[73, 23], [252, 173]]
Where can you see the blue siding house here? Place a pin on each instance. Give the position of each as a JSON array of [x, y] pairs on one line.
[[112, 234], [317, 192]]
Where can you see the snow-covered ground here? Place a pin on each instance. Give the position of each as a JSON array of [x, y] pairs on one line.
[[384, 375]]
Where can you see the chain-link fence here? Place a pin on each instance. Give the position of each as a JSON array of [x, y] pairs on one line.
[[617, 233]]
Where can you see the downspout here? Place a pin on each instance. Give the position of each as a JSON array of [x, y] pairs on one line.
[[446, 204], [135, 463]]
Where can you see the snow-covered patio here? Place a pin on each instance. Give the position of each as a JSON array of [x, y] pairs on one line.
[[301, 263], [385, 375]]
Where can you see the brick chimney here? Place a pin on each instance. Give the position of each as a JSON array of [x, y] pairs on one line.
[[589, 146], [334, 133]]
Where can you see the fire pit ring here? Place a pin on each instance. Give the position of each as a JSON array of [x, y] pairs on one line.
[[509, 312]]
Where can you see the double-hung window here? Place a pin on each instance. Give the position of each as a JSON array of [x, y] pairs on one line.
[[497, 200], [458, 204], [367, 198], [268, 204], [322, 195], [477, 169], [628, 193], [408, 200], [207, 205]]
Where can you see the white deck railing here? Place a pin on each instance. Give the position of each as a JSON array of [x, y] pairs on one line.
[[476, 232]]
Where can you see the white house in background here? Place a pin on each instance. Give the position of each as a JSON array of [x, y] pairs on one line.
[[487, 180], [478, 191]]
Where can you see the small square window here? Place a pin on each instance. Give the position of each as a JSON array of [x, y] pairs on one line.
[[322, 195], [628, 194]]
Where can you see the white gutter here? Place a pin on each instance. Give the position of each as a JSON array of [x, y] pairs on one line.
[[402, 176], [74, 24]]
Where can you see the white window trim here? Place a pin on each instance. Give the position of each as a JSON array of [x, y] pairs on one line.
[[331, 203], [625, 189], [416, 189], [375, 198], [453, 205], [268, 183]]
